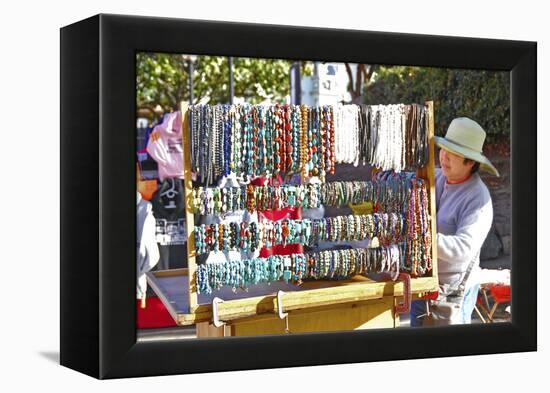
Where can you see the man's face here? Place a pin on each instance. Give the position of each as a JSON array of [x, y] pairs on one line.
[[453, 166]]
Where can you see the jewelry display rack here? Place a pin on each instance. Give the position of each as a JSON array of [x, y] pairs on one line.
[[321, 305]]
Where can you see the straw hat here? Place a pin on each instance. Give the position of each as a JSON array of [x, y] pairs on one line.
[[465, 137]]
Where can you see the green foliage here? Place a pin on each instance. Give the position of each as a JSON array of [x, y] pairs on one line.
[[255, 80], [162, 79], [483, 96]]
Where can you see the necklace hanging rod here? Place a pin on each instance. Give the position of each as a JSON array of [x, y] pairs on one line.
[[270, 140]]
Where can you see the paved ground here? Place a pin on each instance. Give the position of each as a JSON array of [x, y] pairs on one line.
[[188, 332], [500, 316], [182, 333], [176, 333]]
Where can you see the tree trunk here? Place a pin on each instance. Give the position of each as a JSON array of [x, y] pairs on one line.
[[363, 75]]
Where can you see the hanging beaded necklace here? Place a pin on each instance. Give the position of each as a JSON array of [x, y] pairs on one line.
[[303, 141], [287, 121]]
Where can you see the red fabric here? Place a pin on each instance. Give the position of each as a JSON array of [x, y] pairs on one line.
[[500, 292], [430, 296], [277, 215], [281, 250], [154, 315], [260, 181]]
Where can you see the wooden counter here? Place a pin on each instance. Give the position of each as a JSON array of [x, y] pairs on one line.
[[324, 305]]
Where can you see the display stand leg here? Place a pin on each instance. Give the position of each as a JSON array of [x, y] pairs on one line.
[[189, 216], [143, 301], [479, 314], [428, 173]]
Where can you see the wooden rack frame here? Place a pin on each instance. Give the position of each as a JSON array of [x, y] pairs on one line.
[[311, 293]]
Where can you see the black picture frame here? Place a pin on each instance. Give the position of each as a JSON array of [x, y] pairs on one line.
[[98, 112]]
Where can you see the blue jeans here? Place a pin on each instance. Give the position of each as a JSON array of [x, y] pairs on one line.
[[418, 307]]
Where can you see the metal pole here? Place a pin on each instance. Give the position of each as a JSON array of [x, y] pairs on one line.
[[190, 69], [231, 87], [295, 84]]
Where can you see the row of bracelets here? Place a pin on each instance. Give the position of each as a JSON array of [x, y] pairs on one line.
[[295, 268], [391, 194], [387, 227]]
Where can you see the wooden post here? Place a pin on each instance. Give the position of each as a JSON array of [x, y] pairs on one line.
[[428, 173], [144, 300], [189, 216]]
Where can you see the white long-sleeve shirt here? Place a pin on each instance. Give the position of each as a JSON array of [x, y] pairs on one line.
[[464, 218], [147, 250]]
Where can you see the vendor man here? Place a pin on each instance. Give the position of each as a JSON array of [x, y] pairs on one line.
[[464, 214]]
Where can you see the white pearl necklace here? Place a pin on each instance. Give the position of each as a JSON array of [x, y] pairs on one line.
[[389, 151], [346, 134], [339, 130]]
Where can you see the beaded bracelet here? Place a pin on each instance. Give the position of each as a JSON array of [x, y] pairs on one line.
[[390, 194], [251, 236], [331, 264]]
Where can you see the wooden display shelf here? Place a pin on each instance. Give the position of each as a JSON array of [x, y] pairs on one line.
[[172, 286], [179, 293]]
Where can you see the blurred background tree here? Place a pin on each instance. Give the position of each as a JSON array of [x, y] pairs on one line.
[[481, 95], [163, 80]]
